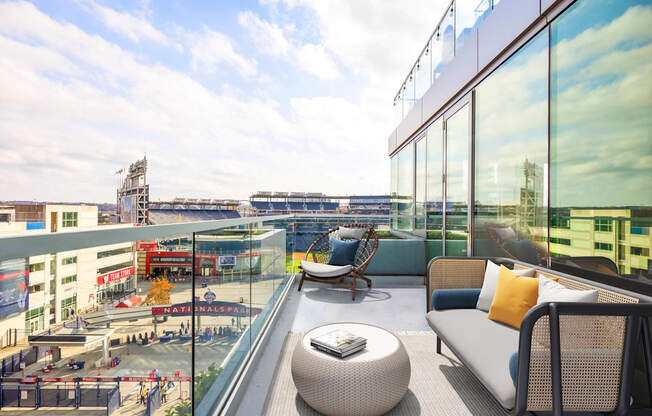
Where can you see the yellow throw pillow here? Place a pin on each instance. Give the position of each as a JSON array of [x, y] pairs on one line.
[[515, 295]]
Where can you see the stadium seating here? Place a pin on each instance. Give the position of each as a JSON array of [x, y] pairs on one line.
[[331, 206], [261, 205], [279, 206], [296, 206], [313, 206]]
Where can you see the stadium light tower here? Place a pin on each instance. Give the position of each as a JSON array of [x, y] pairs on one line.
[[133, 195]]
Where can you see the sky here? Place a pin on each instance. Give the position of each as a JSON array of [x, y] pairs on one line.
[[225, 98]]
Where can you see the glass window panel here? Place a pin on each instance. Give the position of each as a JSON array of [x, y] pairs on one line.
[[457, 182], [420, 182], [434, 166], [468, 15], [601, 135], [394, 191], [511, 152], [406, 188]]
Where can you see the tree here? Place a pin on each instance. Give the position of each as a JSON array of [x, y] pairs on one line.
[[159, 294], [181, 409], [204, 381]]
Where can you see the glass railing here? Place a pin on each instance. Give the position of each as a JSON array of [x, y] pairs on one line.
[[173, 329], [457, 24]]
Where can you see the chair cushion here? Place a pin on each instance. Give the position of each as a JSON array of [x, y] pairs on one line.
[[489, 284], [483, 345], [324, 270], [454, 298], [343, 252], [350, 233], [515, 295]]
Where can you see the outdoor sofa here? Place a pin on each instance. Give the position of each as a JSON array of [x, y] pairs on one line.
[[566, 357]]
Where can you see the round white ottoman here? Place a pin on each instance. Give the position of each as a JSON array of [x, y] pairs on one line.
[[369, 382]]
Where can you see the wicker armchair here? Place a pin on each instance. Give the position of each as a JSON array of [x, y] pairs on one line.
[[319, 252]]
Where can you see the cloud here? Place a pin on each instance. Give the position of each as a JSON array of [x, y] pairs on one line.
[[210, 49], [267, 37], [75, 107], [314, 59], [272, 40], [133, 27]]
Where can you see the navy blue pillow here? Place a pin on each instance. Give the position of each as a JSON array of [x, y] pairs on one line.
[[513, 366], [343, 252]]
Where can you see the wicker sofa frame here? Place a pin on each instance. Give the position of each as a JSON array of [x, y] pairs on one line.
[[319, 252], [549, 377]]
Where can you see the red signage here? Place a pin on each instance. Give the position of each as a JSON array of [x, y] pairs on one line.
[[146, 246], [137, 379], [116, 275]]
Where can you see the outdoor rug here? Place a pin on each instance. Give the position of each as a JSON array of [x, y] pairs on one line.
[[439, 386]]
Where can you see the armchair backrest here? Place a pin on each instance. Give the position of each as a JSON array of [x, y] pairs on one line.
[[319, 250]]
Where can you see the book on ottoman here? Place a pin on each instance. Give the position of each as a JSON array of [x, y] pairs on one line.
[[339, 343]]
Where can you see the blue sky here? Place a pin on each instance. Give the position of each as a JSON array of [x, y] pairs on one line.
[[224, 97]]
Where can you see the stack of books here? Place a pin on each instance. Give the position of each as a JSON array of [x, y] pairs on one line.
[[339, 343]]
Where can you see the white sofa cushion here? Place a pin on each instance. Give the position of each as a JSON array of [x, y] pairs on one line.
[[324, 270], [483, 345], [551, 291], [491, 281]]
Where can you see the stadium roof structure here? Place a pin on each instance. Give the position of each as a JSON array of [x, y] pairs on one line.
[[266, 194]]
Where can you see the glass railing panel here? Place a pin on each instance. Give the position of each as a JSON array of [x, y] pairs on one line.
[[423, 72], [409, 97], [240, 276], [225, 261], [161, 321], [397, 108], [446, 33], [468, 15]]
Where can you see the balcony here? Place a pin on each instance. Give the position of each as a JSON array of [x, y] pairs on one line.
[[232, 331]]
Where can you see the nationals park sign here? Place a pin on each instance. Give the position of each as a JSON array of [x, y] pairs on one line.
[[205, 308]]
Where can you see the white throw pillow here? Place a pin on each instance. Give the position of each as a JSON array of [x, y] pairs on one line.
[[551, 291], [491, 281], [350, 233]]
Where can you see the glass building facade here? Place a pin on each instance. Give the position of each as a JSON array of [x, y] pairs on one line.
[[548, 158]]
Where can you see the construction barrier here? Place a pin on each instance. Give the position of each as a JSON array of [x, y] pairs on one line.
[[153, 400], [58, 395], [35, 392], [113, 401]]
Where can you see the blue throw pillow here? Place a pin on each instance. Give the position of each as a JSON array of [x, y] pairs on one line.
[[343, 252], [513, 366], [455, 298]]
